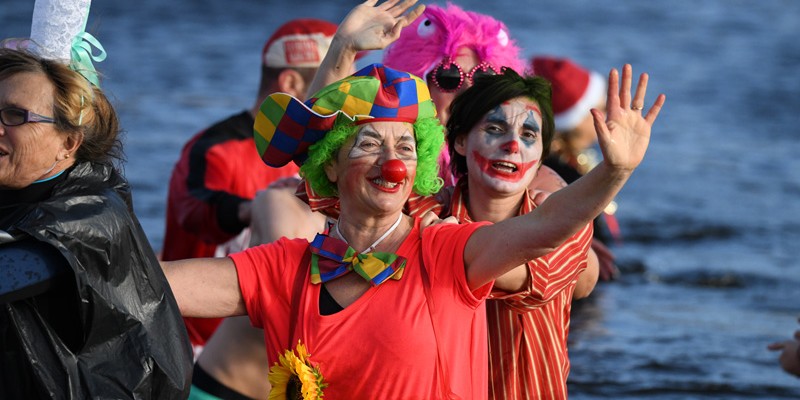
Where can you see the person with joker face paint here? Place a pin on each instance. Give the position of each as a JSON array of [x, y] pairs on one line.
[[498, 132]]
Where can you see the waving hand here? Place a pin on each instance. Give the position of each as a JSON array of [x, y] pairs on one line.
[[624, 133], [372, 27]]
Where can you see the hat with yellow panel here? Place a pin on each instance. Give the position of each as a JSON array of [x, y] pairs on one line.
[[285, 127]]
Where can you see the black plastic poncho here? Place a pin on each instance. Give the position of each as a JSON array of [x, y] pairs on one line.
[[111, 329]]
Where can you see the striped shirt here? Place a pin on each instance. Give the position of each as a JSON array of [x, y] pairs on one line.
[[527, 330]]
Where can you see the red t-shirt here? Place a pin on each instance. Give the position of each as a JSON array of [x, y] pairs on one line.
[[527, 330], [383, 345]]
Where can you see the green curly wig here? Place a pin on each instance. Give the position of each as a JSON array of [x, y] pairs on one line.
[[430, 138]]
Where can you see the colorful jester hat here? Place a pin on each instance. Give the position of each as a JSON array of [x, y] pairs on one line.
[[285, 127]]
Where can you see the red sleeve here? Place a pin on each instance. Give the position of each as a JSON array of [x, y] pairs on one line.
[[266, 275], [443, 254], [551, 274]]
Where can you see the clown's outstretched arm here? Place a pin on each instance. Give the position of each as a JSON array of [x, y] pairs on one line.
[[368, 26], [624, 137], [205, 287]]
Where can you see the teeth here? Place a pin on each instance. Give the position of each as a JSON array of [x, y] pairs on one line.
[[505, 165], [386, 184]]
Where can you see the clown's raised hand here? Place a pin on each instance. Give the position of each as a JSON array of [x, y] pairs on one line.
[[624, 133], [368, 26]]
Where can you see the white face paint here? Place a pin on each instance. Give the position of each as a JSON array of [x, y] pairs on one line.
[[504, 149], [357, 168], [370, 141]]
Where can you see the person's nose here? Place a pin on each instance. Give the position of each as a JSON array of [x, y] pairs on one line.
[[387, 153], [512, 146]]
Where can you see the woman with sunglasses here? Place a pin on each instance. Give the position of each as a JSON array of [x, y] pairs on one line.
[[410, 323], [85, 309]]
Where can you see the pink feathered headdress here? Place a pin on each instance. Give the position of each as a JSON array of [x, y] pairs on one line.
[[440, 32]]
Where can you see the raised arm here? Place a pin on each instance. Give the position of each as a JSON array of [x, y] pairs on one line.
[[623, 136], [205, 287], [367, 27]]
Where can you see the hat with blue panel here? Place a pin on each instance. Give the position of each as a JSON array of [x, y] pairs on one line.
[[285, 127]]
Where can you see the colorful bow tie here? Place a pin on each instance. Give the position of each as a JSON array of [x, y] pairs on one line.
[[332, 258]]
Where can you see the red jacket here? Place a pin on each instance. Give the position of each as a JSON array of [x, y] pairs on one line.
[[219, 168]]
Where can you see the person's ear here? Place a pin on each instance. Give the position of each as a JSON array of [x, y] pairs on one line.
[[292, 82], [461, 145], [330, 170], [71, 144]]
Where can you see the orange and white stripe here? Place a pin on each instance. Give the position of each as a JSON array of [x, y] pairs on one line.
[[528, 330]]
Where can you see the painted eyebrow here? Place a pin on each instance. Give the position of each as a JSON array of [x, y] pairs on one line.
[[368, 131], [495, 119], [530, 122], [496, 116], [407, 137], [532, 126]]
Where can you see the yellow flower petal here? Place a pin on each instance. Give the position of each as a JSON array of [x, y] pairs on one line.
[[295, 364], [302, 352], [278, 379]]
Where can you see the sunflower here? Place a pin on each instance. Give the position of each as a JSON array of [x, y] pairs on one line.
[[294, 377]]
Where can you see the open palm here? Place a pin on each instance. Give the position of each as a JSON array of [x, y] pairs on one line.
[[624, 133], [371, 27]]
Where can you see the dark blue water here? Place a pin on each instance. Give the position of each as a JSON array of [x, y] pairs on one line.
[[711, 219]]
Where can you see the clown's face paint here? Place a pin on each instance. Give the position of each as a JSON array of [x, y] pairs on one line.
[[357, 169], [372, 139], [504, 149]]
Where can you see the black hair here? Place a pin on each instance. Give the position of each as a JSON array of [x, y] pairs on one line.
[[488, 92]]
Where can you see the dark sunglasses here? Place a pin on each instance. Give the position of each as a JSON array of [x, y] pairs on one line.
[[13, 116], [449, 76]]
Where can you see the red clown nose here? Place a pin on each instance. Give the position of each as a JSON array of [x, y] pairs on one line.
[[393, 171]]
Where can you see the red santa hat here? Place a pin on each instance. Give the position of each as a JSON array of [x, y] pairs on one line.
[[299, 43], [575, 89]]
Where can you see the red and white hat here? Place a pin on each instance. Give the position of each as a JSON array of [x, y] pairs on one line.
[[575, 89], [298, 43]]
